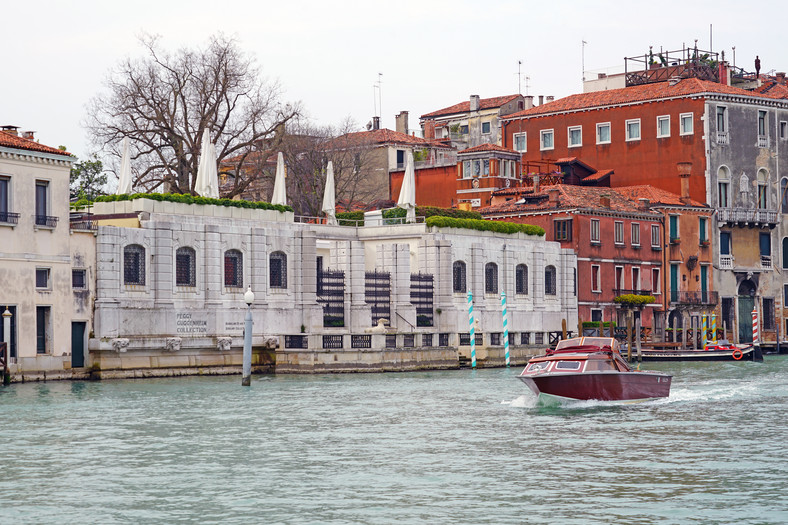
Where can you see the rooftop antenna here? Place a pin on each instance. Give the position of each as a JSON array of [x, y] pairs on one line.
[[527, 84], [376, 87], [519, 78], [583, 59]]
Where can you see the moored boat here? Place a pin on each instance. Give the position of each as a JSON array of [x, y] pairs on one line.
[[721, 351], [592, 368]]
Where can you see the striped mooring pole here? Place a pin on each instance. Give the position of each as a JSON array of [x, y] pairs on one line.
[[714, 329], [505, 327], [755, 334], [705, 330], [473, 335]]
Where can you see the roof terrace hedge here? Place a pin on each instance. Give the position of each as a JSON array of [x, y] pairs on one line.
[[190, 199], [493, 226]]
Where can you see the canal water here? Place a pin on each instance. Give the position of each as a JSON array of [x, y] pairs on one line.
[[432, 447]]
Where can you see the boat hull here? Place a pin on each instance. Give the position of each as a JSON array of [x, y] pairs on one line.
[[749, 353], [603, 386]]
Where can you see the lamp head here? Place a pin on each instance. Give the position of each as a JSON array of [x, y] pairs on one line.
[[249, 296]]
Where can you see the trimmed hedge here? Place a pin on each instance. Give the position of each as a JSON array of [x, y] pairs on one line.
[[190, 199], [480, 225], [350, 218], [635, 300], [356, 218]]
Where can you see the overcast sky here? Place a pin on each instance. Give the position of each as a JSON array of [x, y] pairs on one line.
[[432, 54]]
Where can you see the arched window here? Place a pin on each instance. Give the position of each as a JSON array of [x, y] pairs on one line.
[[278, 270], [458, 277], [521, 279], [785, 253], [233, 269], [763, 184], [549, 280], [185, 267], [723, 186], [784, 194], [134, 264], [491, 278]]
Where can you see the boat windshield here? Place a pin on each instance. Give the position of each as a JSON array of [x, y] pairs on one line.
[[599, 342]]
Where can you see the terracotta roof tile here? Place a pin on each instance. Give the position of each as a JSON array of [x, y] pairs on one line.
[[487, 147], [9, 140], [628, 95], [465, 107], [655, 196], [383, 136]]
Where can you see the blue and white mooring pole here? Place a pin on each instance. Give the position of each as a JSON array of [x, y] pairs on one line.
[[246, 378], [505, 327], [473, 335]]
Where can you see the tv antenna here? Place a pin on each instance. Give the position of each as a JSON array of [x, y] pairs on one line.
[[377, 96], [583, 58]]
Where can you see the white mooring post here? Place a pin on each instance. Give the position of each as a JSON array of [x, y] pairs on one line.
[[246, 379]]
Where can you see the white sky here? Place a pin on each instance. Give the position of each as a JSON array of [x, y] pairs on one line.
[[55, 55]]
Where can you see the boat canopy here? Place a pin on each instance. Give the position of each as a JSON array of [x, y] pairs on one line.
[[588, 344]]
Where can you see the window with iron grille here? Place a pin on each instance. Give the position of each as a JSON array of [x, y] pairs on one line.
[[443, 339], [134, 264], [563, 230], [495, 339], [521, 279], [233, 269], [525, 338], [768, 313], [391, 340], [79, 279], [426, 340], [42, 278], [458, 277], [549, 280], [465, 339], [278, 270], [185, 267], [491, 278], [539, 338]]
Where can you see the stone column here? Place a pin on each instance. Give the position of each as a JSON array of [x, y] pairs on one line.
[[213, 264], [163, 267], [355, 279], [403, 311]]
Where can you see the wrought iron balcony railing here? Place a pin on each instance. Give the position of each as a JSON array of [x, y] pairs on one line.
[[694, 298], [636, 291], [9, 218], [45, 220]]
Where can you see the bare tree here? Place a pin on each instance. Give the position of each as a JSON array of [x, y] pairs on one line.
[[164, 101]]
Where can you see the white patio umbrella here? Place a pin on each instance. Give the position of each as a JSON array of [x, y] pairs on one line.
[[329, 205], [280, 193], [407, 193], [207, 183], [124, 182]]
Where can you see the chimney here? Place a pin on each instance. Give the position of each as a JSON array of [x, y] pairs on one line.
[[537, 187], [552, 196], [604, 200], [402, 122], [375, 123], [685, 168], [780, 77], [549, 98], [644, 204], [541, 99], [29, 135], [10, 129], [474, 102], [529, 101]]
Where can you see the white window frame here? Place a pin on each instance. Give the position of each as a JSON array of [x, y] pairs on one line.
[[85, 275], [596, 271], [489, 126], [524, 135], [783, 130], [724, 112], [619, 284], [634, 238], [658, 290], [542, 134], [765, 114], [618, 233], [629, 122], [609, 133], [655, 240], [594, 233], [663, 118], [48, 285], [682, 129], [635, 270], [569, 131]]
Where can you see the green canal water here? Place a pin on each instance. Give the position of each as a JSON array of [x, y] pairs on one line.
[[432, 447]]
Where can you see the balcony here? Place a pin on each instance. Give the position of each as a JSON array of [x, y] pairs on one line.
[[48, 221], [622, 291], [9, 218], [766, 262], [747, 217], [763, 141], [722, 137], [726, 262], [693, 298]]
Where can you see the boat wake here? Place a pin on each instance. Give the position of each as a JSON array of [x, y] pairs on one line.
[[524, 401]]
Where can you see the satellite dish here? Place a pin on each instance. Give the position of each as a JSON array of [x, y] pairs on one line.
[[369, 125]]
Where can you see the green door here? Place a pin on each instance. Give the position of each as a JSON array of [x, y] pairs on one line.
[[746, 304], [78, 344]]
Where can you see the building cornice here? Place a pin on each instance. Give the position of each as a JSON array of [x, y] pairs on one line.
[[35, 156]]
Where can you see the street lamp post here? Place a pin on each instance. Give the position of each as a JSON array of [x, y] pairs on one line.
[[247, 358]]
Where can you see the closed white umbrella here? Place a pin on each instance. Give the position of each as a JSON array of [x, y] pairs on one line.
[[207, 183], [407, 193], [124, 182], [280, 194], [329, 205]]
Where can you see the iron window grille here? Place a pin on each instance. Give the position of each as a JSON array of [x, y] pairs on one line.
[[443, 339], [426, 340], [391, 340], [525, 338], [331, 296], [377, 294], [333, 342], [134, 265], [278, 270], [42, 278], [185, 267], [458, 277], [79, 279], [521, 279], [361, 341], [549, 280], [233, 269], [491, 278], [421, 296], [409, 340], [296, 341]]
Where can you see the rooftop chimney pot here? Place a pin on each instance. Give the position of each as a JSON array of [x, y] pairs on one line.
[[475, 103]]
